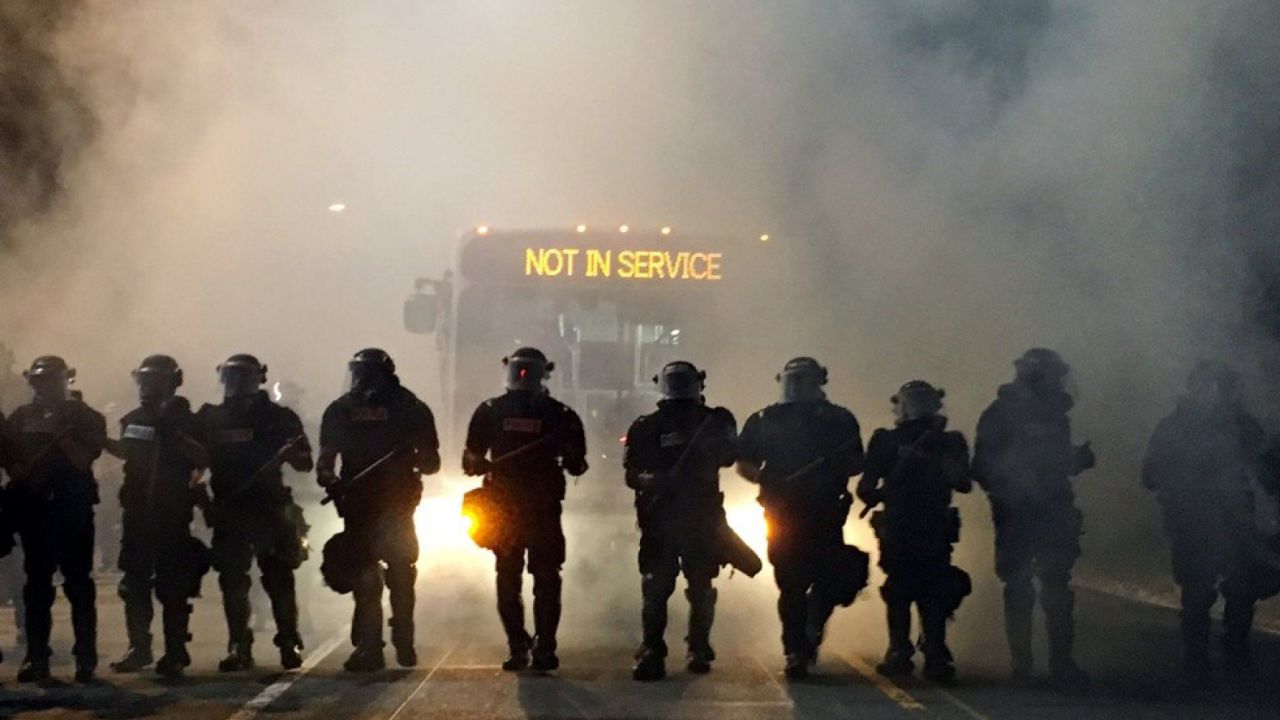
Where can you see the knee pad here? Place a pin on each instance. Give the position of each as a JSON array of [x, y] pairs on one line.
[[401, 574], [234, 583], [657, 586]]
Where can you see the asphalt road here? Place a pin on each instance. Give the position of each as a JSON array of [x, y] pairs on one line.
[[1131, 649]]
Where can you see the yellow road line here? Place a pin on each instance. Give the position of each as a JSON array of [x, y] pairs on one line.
[[885, 685]]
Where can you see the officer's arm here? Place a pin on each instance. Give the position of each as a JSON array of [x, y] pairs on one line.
[[85, 443], [327, 460], [750, 463], [299, 455], [875, 469], [428, 444], [854, 456], [725, 449], [573, 454], [639, 475], [479, 440], [956, 463]]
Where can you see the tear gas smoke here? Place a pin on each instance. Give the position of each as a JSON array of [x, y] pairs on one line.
[[952, 181]]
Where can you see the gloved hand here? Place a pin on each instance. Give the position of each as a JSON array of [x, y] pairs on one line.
[[474, 464]]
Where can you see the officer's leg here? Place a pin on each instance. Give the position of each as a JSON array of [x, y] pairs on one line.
[[1014, 568], [278, 583], [658, 581], [76, 564], [135, 590], [173, 588], [818, 611], [546, 558], [39, 563], [702, 614], [793, 582], [1056, 557], [402, 574], [898, 594], [936, 603], [232, 557], [509, 568], [1237, 621]]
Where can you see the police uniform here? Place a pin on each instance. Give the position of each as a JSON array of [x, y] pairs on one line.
[[683, 446], [156, 550], [254, 514], [1024, 460], [52, 499], [532, 485], [806, 504], [1199, 463], [912, 469], [377, 510]]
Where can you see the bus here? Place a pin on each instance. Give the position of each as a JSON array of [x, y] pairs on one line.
[[608, 307]]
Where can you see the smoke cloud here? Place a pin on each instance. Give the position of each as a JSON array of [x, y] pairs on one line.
[[953, 182]]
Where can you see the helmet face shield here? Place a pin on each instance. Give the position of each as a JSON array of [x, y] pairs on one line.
[[239, 380], [50, 385], [916, 400], [681, 381], [526, 373], [366, 378], [1043, 368], [154, 386]]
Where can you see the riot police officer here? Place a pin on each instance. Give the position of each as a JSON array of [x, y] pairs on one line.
[[386, 439], [912, 470], [254, 516], [673, 459], [162, 451], [1024, 459], [523, 442], [52, 443], [802, 451], [1199, 463]]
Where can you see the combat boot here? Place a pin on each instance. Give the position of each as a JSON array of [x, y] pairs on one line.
[[290, 656], [897, 659], [702, 613], [239, 658], [86, 667], [650, 665], [797, 666], [402, 641], [174, 662], [544, 655], [939, 670], [518, 655], [34, 669], [896, 663], [135, 660], [366, 658]]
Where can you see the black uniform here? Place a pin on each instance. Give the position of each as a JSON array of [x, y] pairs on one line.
[[680, 511], [1199, 464], [912, 469], [156, 551], [1024, 459], [377, 511], [806, 504], [254, 514], [532, 485], [51, 497]]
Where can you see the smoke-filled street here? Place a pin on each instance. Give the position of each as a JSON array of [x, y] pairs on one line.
[[639, 359], [1131, 647]]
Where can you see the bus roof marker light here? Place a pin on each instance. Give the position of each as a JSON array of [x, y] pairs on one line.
[[337, 207], [666, 230], [482, 230], [764, 238], [582, 228], [624, 228]]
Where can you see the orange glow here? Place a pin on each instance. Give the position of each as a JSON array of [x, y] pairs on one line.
[[482, 230]]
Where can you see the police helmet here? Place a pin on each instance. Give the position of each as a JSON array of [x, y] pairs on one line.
[[49, 366], [242, 374], [680, 380], [527, 369], [1040, 365], [802, 379], [370, 370], [917, 399], [157, 376]]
